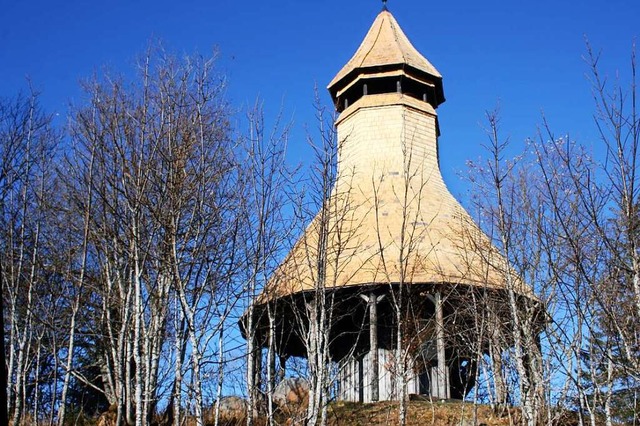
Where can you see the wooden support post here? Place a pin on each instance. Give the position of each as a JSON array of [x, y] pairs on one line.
[[372, 303], [443, 371]]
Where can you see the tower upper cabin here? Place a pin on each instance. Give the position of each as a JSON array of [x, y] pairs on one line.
[[386, 62]]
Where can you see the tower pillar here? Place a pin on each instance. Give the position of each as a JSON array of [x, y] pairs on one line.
[[372, 304], [442, 371]]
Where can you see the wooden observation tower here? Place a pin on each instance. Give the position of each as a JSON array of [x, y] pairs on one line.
[[392, 245]]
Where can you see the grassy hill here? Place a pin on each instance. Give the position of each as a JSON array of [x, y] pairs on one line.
[[419, 413]]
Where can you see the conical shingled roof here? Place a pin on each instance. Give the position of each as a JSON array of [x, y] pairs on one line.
[[390, 218], [385, 45]]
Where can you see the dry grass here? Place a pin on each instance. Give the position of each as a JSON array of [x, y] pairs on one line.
[[419, 413]]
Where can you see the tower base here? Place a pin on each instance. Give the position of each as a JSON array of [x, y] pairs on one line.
[[355, 373]]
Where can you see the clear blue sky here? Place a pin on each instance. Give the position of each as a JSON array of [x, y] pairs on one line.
[[525, 55]]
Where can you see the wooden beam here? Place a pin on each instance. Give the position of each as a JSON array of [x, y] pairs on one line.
[[443, 372], [372, 303]]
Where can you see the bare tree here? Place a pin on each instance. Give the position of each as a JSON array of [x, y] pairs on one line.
[[26, 161], [610, 205], [513, 232], [566, 223], [319, 263], [163, 225], [398, 261], [324, 246], [268, 185]]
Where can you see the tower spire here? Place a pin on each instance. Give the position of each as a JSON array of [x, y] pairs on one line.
[[385, 59], [384, 5]]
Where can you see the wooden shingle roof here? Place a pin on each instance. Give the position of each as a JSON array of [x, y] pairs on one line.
[[390, 218], [385, 45]]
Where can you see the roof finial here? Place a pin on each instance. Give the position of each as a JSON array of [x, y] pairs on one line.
[[384, 5]]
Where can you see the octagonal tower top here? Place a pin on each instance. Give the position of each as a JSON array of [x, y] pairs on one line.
[[386, 62]]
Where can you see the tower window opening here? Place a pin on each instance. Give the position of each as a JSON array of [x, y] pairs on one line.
[[376, 86]]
